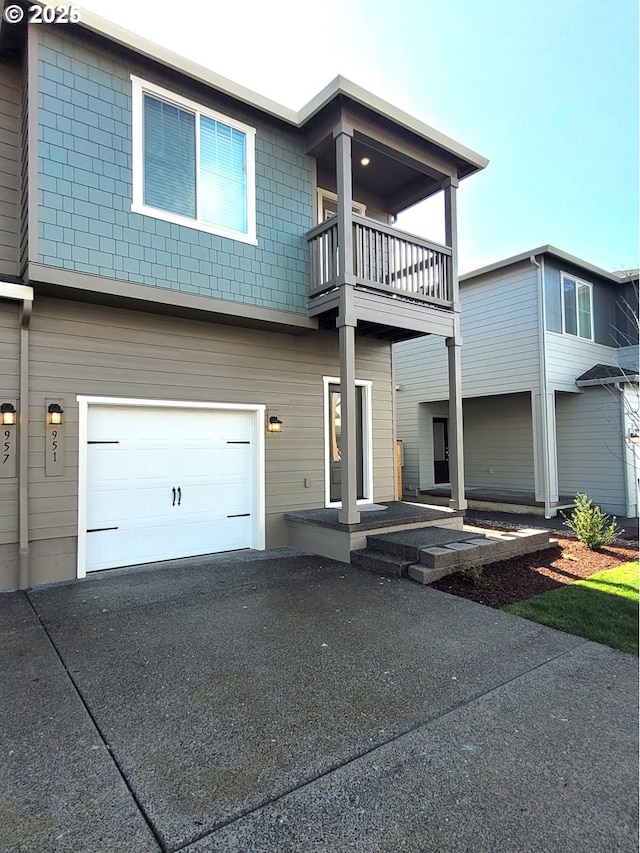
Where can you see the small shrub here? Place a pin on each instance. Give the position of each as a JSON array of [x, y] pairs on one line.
[[592, 526], [473, 575]]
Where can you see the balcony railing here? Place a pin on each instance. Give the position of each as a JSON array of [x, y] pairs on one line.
[[384, 259]]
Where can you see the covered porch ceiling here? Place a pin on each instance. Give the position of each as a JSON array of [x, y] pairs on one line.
[[390, 160]]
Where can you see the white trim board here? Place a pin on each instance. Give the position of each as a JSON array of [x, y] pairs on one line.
[[367, 440]]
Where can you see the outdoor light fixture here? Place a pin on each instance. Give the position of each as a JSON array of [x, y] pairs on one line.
[[54, 413], [364, 161], [7, 414], [633, 437], [275, 424]]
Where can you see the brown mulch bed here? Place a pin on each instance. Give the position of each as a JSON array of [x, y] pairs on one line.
[[523, 577]]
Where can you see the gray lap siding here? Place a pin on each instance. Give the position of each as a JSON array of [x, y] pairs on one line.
[[82, 349]]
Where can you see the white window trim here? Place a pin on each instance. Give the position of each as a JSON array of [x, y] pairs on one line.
[[573, 278], [367, 441], [357, 206], [138, 88], [258, 471]]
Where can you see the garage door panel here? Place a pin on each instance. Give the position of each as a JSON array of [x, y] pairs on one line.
[[172, 482]]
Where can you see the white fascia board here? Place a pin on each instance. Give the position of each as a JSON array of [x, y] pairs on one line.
[[543, 250], [23, 292]]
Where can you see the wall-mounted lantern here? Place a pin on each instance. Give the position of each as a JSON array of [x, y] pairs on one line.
[[8, 414], [54, 414], [633, 437], [274, 424]]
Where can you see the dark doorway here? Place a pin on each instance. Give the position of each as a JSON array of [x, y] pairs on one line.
[[440, 450]]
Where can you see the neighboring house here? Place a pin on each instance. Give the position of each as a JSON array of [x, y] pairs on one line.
[[550, 387], [199, 290]]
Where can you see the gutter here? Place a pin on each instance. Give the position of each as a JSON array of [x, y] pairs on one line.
[[24, 294]]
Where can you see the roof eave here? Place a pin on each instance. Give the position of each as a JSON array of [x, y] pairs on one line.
[[339, 86], [552, 251], [608, 380]]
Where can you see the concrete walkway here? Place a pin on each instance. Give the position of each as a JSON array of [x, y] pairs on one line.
[[282, 702]]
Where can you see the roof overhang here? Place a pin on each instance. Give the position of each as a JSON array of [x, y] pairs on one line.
[[339, 89], [606, 374], [547, 251]]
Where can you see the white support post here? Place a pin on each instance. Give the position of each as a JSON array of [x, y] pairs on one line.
[[545, 452]]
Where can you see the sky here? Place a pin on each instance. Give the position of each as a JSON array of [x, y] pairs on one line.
[[546, 90]]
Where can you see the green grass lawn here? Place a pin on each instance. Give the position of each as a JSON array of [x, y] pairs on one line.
[[604, 608]]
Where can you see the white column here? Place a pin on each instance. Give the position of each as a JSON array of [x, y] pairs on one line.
[[545, 451]]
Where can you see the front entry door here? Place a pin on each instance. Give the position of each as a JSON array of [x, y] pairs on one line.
[[335, 456], [440, 450]]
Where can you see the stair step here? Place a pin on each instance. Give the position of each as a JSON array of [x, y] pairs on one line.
[[407, 544], [383, 564]]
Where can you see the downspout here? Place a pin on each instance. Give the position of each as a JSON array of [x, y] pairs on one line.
[[24, 570], [23, 294], [546, 475]]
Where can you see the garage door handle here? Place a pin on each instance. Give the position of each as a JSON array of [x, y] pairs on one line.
[[174, 496], [179, 495]]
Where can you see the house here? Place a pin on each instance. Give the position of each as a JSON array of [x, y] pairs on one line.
[[549, 385], [199, 290]]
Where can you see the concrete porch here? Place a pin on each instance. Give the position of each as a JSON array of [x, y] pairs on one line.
[[319, 531], [498, 500]]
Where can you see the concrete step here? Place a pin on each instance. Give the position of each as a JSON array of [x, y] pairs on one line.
[[426, 554], [437, 562], [383, 564], [407, 544]]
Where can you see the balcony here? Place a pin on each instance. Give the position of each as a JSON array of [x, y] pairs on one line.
[[386, 261]]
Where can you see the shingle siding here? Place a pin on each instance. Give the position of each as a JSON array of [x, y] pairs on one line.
[[85, 192]]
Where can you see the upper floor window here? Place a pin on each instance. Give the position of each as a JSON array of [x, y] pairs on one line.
[[577, 308], [191, 165]]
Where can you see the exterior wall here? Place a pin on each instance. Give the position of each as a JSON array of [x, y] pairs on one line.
[[500, 354], [85, 184], [604, 295], [498, 442], [628, 357], [590, 446], [568, 357], [10, 108], [9, 343], [83, 349]]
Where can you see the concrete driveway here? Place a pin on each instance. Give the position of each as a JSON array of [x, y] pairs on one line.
[[284, 702]]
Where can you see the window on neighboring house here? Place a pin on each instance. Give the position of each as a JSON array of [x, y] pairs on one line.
[[191, 165], [577, 308]]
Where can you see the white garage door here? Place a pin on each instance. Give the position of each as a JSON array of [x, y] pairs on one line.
[[164, 483]]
